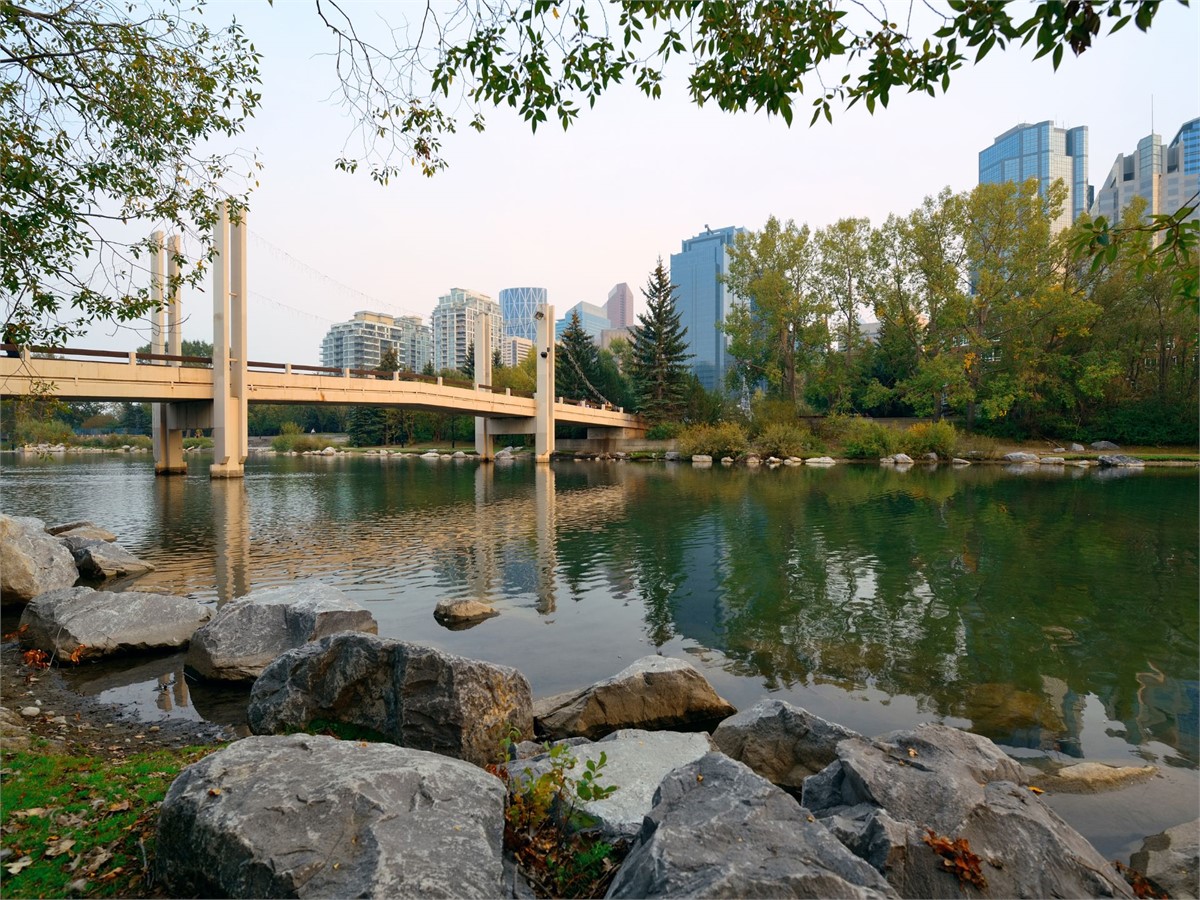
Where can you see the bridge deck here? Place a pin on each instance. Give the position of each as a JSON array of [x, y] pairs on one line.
[[110, 375]]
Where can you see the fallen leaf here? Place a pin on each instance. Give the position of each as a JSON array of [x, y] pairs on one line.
[[1036, 790], [32, 811], [119, 807], [214, 792], [59, 848], [23, 863], [912, 751]]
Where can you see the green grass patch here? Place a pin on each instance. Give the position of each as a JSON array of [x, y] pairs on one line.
[[83, 825], [346, 731]]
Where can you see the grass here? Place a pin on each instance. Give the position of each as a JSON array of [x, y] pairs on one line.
[[82, 825]]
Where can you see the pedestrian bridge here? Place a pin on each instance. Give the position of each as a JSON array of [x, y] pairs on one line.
[[198, 392], [186, 385]]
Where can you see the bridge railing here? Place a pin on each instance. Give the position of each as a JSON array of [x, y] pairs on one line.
[[291, 368]]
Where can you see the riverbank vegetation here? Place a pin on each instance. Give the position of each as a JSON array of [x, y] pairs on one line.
[[81, 822]]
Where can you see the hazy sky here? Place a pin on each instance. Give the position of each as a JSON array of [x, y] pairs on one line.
[[577, 212]]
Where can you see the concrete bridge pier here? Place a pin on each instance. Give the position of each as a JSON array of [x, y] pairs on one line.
[[544, 398], [166, 338], [483, 375], [230, 433]]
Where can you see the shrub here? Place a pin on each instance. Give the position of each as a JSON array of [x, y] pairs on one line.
[[296, 442], [724, 439], [663, 431], [930, 437], [43, 431], [786, 440], [204, 443], [863, 439]]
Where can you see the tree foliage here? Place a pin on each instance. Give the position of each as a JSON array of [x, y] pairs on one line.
[[577, 371], [104, 110], [548, 60], [659, 351]]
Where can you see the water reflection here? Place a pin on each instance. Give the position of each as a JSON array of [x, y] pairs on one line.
[[1006, 601]]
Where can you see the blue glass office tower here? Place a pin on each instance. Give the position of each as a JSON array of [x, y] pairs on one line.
[[703, 300], [591, 319], [1048, 154], [517, 306]]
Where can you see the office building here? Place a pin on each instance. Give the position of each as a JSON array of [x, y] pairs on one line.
[[1166, 177], [361, 342], [517, 306], [703, 301], [1048, 154], [453, 323], [619, 308], [591, 318]]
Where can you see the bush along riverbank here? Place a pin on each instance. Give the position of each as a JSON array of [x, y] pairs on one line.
[[379, 767]]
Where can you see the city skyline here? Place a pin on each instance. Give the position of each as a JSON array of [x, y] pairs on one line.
[[567, 212]]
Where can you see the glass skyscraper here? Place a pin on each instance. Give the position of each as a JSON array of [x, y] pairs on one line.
[[1166, 177], [703, 300], [517, 306], [1048, 154], [591, 319]]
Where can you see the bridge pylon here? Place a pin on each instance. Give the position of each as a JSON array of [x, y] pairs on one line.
[[166, 338], [230, 425]]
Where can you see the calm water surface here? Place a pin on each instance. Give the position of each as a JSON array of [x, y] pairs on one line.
[[1053, 611]]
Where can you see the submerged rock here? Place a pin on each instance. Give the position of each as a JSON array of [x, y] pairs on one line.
[[654, 693], [312, 816], [462, 613], [411, 695], [1092, 778]]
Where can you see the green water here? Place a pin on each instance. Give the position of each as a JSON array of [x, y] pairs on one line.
[[1054, 611]]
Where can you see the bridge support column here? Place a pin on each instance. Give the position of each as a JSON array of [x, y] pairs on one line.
[[165, 338], [230, 435], [483, 375], [544, 398]]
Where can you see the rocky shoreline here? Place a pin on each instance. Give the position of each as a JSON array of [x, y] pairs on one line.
[[705, 800]]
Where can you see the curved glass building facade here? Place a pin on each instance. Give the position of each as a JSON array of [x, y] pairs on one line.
[[517, 306]]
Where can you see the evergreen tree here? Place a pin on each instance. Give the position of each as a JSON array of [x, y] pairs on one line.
[[577, 372], [659, 357], [468, 366]]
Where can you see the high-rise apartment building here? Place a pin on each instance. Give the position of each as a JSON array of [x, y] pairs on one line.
[[453, 323], [361, 342], [703, 301], [517, 306], [514, 350], [1048, 154], [1165, 177], [619, 308], [591, 319]]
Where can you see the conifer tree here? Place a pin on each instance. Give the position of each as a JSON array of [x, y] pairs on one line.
[[660, 371], [577, 373]]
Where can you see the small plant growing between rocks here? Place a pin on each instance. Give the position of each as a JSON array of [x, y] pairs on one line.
[[545, 831]]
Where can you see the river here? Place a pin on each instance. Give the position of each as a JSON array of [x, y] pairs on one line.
[[1054, 610]]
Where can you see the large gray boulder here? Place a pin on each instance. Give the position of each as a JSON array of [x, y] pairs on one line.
[[782, 743], [636, 762], [883, 797], [1172, 859], [312, 816], [411, 695], [1120, 461], [246, 634], [1019, 457], [654, 693], [31, 561], [719, 830], [1104, 445], [97, 558], [79, 623]]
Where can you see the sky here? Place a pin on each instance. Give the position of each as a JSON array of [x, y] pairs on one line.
[[580, 211]]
